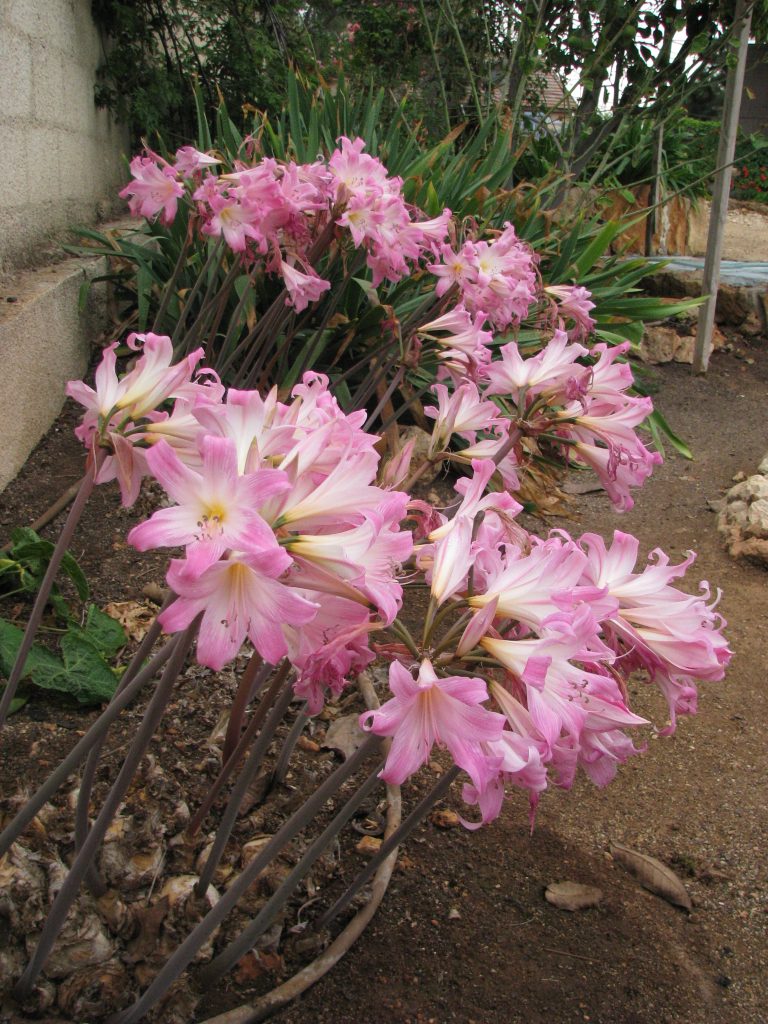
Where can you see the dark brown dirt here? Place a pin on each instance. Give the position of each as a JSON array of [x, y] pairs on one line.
[[465, 934]]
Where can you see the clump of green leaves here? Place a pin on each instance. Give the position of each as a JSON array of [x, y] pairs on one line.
[[83, 641]]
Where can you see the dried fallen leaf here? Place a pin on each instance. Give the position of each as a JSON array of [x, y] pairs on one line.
[[344, 735], [445, 818], [135, 618], [305, 743], [572, 895], [368, 846], [653, 875]]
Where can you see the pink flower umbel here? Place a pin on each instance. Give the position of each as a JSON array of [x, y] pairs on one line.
[[430, 710]]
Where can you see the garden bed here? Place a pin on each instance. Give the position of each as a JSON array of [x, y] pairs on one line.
[[465, 933]]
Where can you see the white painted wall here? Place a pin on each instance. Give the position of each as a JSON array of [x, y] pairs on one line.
[[61, 155]]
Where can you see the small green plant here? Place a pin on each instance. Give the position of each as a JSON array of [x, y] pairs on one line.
[[77, 663]]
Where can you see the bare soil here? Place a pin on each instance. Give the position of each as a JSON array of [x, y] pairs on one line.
[[465, 934]]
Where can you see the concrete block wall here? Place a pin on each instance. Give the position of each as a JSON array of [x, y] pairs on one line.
[[62, 155], [45, 340]]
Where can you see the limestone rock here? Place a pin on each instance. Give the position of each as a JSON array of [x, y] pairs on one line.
[[664, 344], [757, 519], [734, 304], [743, 518]]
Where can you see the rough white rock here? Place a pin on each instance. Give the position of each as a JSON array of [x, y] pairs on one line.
[[743, 517]]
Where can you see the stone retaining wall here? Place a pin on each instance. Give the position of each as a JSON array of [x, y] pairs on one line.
[[44, 342], [63, 156]]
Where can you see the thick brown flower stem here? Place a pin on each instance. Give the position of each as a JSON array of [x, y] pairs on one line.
[[71, 885], [213, 971], [202, 932], [417, 815], [80, 751], [255, 671], [92, 878], [289, 745], [245, 740], [65, 537], [240, 788]]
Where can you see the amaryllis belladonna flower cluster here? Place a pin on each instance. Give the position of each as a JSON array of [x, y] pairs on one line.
[[295, 538], [284, 215], [288, 534]]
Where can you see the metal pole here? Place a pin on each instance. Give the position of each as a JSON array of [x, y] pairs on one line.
[[733, 91], [654, 193]]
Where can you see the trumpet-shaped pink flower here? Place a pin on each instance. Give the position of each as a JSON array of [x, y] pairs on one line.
[[153, 189], [155, 377], [457, 268], [452, 558], [101, 401], [574, 304], [235, 220], [548, 372], [497, 277], [115, 403], [366, 556], [329, 650], [430, 710], [533, 587], [562, 695], [474, 499], [216, 509], [302, 288], [353, 170], [676, 637], [618, 468], [190, 160], [344, 495], [237, 597], [520, 763], [609, 377], [127, 464], [463, 350], [460, 412]]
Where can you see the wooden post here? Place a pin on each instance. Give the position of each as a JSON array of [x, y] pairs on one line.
[[733, 91]]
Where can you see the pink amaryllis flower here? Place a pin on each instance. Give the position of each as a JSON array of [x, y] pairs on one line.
[[548, 372], [190, 160], [153, 189], [154, 377], [430, 710], [235, 220], [116, 403], [520, 763], [101, 401], [461, 412], [676, 637], [617, 468], [532, 587], [329, 650], [216, 509], [574, 304], [238, 597], [302, 288]]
